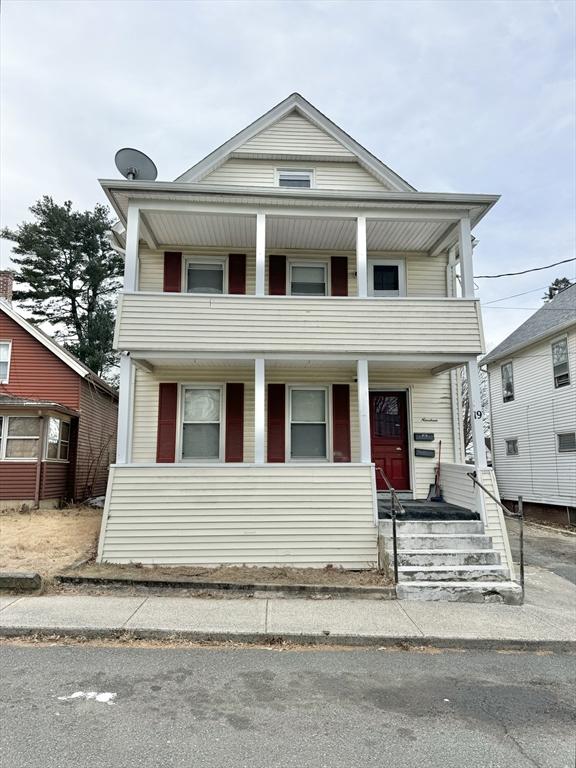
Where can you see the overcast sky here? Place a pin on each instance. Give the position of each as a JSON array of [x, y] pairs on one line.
[[455, 96]]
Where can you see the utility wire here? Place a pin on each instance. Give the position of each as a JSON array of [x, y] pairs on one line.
[[524, 272], [514, 295]]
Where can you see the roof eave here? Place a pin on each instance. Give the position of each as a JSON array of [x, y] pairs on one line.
[[490, 357]]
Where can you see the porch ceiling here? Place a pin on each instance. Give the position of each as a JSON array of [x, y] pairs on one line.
[[175, 229]]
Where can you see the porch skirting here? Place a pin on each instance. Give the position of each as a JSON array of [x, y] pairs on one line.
[[308, 515]]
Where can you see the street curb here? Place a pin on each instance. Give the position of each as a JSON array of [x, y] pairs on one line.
[[20, 581], [246, 589], [267, 638]]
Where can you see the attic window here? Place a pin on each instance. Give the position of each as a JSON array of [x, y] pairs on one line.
[[294, 179]]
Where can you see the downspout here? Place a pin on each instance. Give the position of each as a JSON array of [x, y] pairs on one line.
[[41, 440]]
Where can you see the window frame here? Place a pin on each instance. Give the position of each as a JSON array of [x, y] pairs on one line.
[[565, 450], [328, 423], [513, 396], [180, 421], [210, 259], [294, 171], [552, 345], [4, 438], [59, 459], [8, 342], [304, 263], [401, 264], [509, 440]]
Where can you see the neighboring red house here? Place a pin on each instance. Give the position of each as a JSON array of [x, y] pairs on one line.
[[57, 418]]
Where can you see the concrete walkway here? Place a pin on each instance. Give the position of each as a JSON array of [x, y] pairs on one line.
[[546, 620]]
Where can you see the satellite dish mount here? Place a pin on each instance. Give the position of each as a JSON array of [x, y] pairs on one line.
[[135, 165]]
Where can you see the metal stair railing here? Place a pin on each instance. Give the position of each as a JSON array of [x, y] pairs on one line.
[[395, 507], [513, 516]]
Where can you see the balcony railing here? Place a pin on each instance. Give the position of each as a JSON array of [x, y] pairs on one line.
[[270, 324]]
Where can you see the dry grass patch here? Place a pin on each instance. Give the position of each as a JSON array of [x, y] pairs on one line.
[[47, 540]]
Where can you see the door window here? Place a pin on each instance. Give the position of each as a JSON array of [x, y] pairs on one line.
[[387, 416], [386, 278]]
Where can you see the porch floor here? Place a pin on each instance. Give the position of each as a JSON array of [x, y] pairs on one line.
[[420, 509]]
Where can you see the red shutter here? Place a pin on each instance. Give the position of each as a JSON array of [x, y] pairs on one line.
[[172, 272], [166, 439], [277, 275], [237, 273], [234, 422], [341, 421], [339, 275], [276, 422]]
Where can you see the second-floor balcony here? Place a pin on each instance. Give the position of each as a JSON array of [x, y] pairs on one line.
[[443, 329]]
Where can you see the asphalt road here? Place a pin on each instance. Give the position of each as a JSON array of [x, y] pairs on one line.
[[231, 708], [546, 549]]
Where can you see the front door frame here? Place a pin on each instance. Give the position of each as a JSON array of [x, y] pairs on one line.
[[374, 387]]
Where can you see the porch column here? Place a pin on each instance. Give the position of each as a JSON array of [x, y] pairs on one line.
[[476, 415], [364, 412], [131, 253], [466, 266], [260, 253], [125, 402], [361, 257], [259, 409]]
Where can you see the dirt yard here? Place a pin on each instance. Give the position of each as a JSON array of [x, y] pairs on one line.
[[47, 541]]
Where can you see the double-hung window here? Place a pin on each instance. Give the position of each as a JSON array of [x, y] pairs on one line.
[[386, 278], [58, 439], [308, 423], [4, 361], [308, 279], [507, 382], [201, 423], [206, 276], [560, 363], [294, 179], [19, 437]]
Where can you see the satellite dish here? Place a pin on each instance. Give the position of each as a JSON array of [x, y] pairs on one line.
[[134, 164]]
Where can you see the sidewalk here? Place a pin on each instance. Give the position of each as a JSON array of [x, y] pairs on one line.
[[546, 621]]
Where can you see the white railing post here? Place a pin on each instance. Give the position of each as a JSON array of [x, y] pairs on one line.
[[364, 412], [361, 257], [259, 409], [125, 405], [131, 252], [260, 253], [466, 265]]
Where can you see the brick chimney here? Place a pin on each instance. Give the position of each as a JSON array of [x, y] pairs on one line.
[[6, 283]]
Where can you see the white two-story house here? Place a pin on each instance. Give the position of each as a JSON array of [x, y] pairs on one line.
[[290, 324], [532, 384]]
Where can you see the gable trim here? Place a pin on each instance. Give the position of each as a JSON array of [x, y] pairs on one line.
[[296, 103]]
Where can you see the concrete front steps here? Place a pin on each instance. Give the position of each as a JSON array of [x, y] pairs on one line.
[[448, 560]]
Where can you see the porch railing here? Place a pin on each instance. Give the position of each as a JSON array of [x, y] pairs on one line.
[[395, 508], [512, 516]]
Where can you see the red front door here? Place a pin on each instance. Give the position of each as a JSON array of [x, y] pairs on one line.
[[389, 435]]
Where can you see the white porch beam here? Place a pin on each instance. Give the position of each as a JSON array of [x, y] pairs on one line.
[[364, 412], [260, 253], [361, 257], [466, 265], [476, 415], [125, 400], [147, 233], [259, 410], [131, 253]]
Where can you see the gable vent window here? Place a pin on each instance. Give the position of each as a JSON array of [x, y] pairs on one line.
[[507, 383], [567, 442], [560, 363], [511, 447], [295, 179]]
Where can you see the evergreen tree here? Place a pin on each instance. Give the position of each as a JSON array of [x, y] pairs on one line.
[[68, 276]]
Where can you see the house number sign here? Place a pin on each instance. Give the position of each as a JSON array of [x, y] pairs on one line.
[[425, 437], [478, 415]]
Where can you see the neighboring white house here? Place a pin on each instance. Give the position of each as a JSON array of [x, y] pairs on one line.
[[532, 385], [289, 322]]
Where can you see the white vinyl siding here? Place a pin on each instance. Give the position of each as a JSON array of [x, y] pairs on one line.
[[259, 515], [297, 135], [539, 411], [188, 323]]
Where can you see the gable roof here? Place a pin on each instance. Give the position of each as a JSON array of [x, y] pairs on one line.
[[551, 318], [67, 357], [297, 103]]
